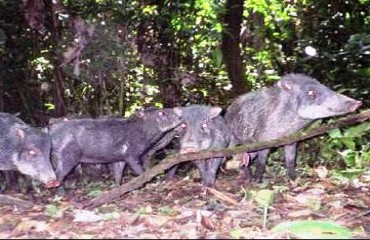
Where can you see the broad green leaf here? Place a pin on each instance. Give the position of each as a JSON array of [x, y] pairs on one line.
[[351, 173], [237, 233], [53, 211], [349, 142], [95, 193], [336, 133], [217, 57], [358, 130], [367, 72], [167, 211], [264, 197], [307, 229]]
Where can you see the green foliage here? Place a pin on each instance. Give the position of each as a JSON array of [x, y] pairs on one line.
[[237, 233], [183, 38], [145, 210], [349, 145], [94, 189], [264, 198], [167, 211], [53, 211], [111, 216], [264, 53], [307, 229]]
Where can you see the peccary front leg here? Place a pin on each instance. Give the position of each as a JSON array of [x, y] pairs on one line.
[[202, 167], [67, 158], [172, 172], [261, 164], [290, 154], [147, 157], [117, 169], [134, 164], [246, 159], [209, 177]]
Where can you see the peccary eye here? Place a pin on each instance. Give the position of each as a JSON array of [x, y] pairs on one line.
[[32, 152], [311, 93], [161, 113], [183, 125], [204, 125]]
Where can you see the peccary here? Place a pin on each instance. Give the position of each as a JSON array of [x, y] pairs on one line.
[[116, 168], [204, 129], [95, 170], [286, 107], [25, 149], [109, 140]]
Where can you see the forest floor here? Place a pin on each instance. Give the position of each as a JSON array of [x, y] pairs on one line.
[[183, 208]]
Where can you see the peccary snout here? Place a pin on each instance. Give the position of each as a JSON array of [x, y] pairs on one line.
[[355, 105]]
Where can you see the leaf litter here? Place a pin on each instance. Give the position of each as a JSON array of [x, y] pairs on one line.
[[183, 208]]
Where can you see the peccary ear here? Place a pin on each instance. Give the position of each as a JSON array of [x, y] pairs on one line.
[[139, 113], [215, 111], [178, 111], [21, 134], [284, 85]]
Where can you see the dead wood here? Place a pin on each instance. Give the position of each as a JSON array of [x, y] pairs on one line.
[[222, 196], [172, 160], [8, 200]]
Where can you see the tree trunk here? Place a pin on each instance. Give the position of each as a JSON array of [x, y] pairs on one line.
[[58, 75], [230, 47], [1, 95]]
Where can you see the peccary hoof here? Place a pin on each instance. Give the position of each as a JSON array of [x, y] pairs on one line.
[[209, 183], [247, 175], [292, 175], [258, 179], [52, 184]]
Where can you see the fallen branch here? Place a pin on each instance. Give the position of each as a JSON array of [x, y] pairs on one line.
[[8, 200], [221, 196], [175, 159]]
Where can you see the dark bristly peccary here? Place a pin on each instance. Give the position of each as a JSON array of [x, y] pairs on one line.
[[167, 139], [25, 149], [117, 168], [204, 129], [286, 107], [109, 140]]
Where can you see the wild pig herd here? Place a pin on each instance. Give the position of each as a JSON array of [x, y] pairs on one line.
[[291, 104]]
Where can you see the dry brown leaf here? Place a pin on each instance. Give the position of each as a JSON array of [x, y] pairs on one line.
[[365, 198], [322, 172], [157, 221], [25, 225], [299, 213], [207, 223], [221, 196]]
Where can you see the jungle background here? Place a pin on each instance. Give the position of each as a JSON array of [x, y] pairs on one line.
[[98, 58]]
